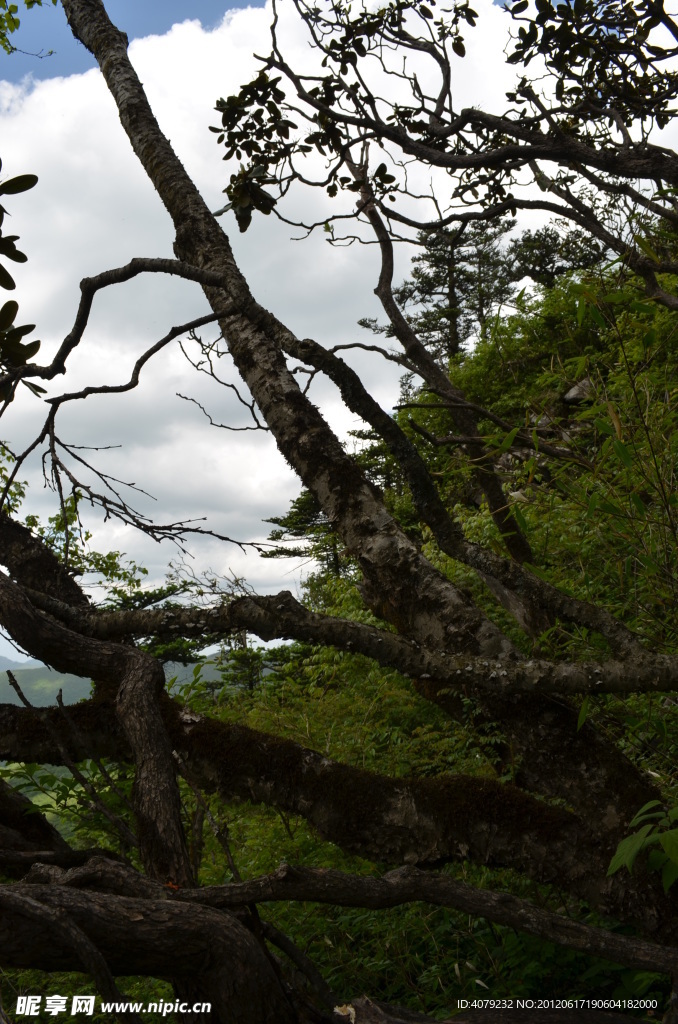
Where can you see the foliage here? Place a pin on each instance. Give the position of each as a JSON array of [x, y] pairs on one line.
[[550, 252], [343, 706], [460, 279], [85, 806], [306, 520], [29, 982], [581, 135], [611, 489], [65, 535], [13, 352], [657, 828], [601, 54], [9, 22], [601, 516]]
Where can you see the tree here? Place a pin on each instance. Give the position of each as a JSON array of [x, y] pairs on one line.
[[566, 791], [465, 277], [305, 520], [462, 278], [569, 135], [544, 255]]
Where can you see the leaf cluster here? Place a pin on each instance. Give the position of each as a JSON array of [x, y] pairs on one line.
[[14, 353], [9, 22], [602, 55], [247, 195], [657, 829]]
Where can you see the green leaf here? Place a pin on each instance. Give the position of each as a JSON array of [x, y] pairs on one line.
[[12, 253], [656, 860], [538, 572], [642, 307], [643, 810], [648, 563], [8, 314], [597, 316], [603, 426], [623, 454], [35, 388], [21, 183], [31, 349], [628, 850], [669, 874], [612, 509], [520, 519], [6, 279], [645, 246], [16, 334], [508, 440], [637, 503], [583, 712], [669, 843]]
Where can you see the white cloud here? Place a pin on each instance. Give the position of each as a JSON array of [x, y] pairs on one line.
[[94, 209]]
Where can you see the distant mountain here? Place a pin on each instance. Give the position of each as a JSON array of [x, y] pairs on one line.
[[41, 684], [13, 666]]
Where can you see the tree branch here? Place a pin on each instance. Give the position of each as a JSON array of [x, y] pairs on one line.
[[145, 936], [409, 885]]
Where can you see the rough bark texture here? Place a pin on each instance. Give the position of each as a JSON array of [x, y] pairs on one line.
[[144, 937], [25, 835], [548, 754], [397, 821]]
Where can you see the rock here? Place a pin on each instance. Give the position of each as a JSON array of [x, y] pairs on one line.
[[580, 392]]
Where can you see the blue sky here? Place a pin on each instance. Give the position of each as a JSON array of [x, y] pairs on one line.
[[45, 28]]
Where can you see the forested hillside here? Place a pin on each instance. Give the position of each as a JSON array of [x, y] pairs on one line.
[[577, 377]]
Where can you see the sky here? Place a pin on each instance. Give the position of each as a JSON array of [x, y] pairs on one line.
[[46, 47], [94, 209]]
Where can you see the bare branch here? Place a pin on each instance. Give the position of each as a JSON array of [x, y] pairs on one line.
[[409, 884], [108, 389]]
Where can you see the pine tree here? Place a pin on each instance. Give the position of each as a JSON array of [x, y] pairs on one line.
[[459, 280], [548, 253], [305, 521]]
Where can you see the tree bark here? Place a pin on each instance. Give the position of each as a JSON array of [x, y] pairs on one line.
[[396, 821], [141, 936]]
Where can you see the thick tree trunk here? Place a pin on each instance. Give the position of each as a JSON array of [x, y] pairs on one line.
[[211, 954], [397, 821]]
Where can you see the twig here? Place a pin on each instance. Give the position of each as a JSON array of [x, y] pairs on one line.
[[302, 962], [220, 831], [126, 835], [78, 737]]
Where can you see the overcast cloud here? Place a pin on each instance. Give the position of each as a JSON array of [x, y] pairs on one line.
[[94, 208]]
